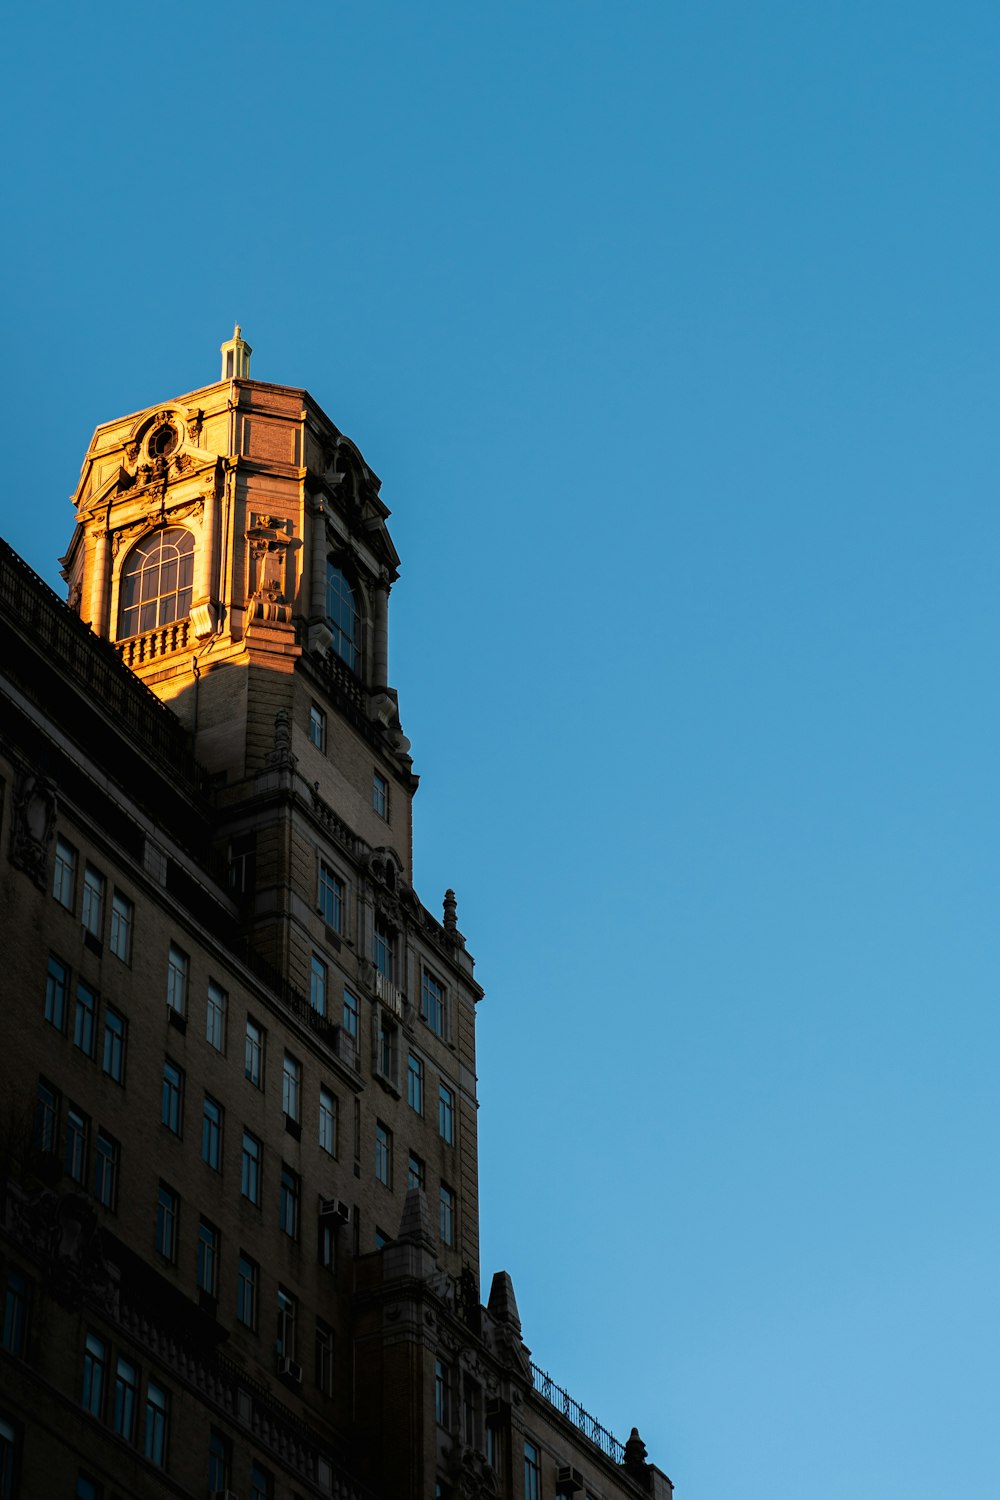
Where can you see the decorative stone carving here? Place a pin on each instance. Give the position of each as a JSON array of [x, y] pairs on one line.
[[473, 1478], [267, 550], [59, 1231], [281, 755], [33, 824]]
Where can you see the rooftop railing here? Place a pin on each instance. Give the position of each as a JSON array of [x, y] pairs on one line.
[[563, 1402], [93, 663]]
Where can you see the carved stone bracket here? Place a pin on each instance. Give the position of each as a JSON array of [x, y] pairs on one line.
[[33, 824]]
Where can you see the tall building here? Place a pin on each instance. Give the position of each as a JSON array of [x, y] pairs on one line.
[[240, 1209]]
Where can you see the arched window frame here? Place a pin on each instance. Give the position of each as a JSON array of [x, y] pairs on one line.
[[167, 605], [354, 659]]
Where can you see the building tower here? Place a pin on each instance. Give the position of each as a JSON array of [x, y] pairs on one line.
[[240, 1227]]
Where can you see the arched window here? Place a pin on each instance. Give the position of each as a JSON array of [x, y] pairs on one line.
[[156, 581], [342, 616]]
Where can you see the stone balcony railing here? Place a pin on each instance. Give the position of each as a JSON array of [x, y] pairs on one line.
[[137, 650]]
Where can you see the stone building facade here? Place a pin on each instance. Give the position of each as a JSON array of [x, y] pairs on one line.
[[239, 1224]]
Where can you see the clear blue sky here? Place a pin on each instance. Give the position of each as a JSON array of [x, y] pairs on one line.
[[672, 329]]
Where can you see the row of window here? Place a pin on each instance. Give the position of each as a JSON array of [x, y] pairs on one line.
[[112, 1392], [94, 904], [380, 786], [331, 902], [63, 1130], [82, 1001], [416, 1177], [220, 1461]]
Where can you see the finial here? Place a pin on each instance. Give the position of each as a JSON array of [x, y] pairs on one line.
[[236, 354], [635, 1454], [450, 912]]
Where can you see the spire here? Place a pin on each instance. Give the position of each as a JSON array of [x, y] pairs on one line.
[[236, 354], [502, 1305]]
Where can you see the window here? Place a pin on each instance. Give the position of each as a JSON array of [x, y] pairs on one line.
[[415, 1084], [211, 1133], [121, 926], [114, 1045], [156, 581], [317, 985], [261, 1487], [215, 1016], [126, 1383], [387, 1057], [380, 795], [492, 1436], [351, 1025], [251, 1168], [384, 948], [46, 1117], [288, 1202], [172, 1097], [254, 1064], [415, 1174], [246, 1293], [470, 1413], [86, 1488], [532, 1473], [291, 1086], [242, 863], [177, 979], [84, 1018], [383, 1154], [93, 901], [331, 897], [166, 1222], [95, 1364], [15, 1311], [446, 1115], [220, 1461], [287, 1309], [64, 876], [432, 1002], [342, 616], [328, 1121], [75, 1160], [55, 994], [442, 1393], [208, 1258], [327, 1246], [317, 726], [447, 1215], [156, 1424], [106, 1170], [324, 1358]]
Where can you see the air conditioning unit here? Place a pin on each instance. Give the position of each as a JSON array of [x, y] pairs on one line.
[[289, 1370], [335, 1208], [568, 1480]]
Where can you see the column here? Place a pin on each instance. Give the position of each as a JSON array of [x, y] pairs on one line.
[[99, 583], [380, 663]]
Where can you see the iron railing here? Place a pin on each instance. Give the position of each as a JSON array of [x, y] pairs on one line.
[[563, 1402]]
